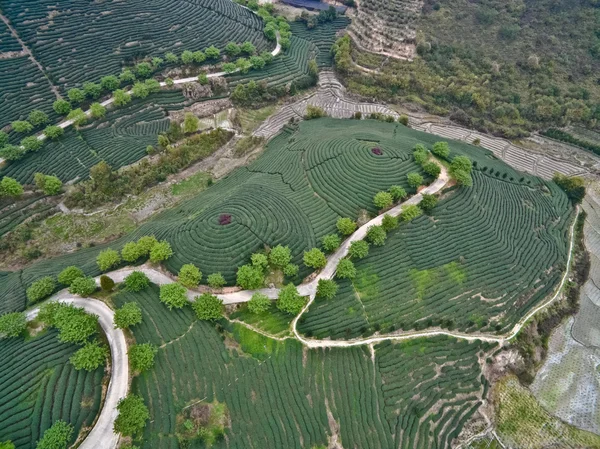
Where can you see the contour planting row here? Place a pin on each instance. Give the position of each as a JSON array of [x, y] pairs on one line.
[[38, 386], [104, 35], [486, 256]]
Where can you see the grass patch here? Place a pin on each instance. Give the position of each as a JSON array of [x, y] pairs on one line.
[[255, 344], [251, 119], [273, 321], [366, 284], [192, 185], [246, 145]]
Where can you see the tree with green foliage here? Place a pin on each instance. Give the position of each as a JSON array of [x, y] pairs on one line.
[[462, 178], [89, 358], [143, 70], [106, 283], [327, 288], [289, 300], [140, 90], [345, 269], [61, 107], [397, 193], [141, 356], [160, 251], [270, 31], [7, 445], [432, 169], [250, 277], [11, 153], [232, 49], [69, 274], [383, 200], [53, 132], [83, 287], [92, 90], [76, 95], [280, 256], [74, 324], [132, 417], [208, 307], [410, 212], [414, 180], [129, 314], [131, 252], [345, 226], [376, 235], [127, 76], [248, 48], [173, 295], [359, 249], [171, 58], [10, 187], [190, 123], [97, 110], [110, 82], [145, 244], [229, 67], [57, 436], [331, 242], [3, 138], [49, 184], [77, 116], [41, 289], [212, 52], [573, 186], [257, 62], [187, 57], [291, 270], [31, 143], [12, 324], [314, 112], [314, 258], [199, 57], [461, 163], [37, 117], [189, 275], [267, 57], [203, 79], [389, 223], [136, 281], [259, 260], [21, 126], [121, 98], [441, 149], [420, 154], [152, 85], [108, 259], [215, 280], [259, 303], [428, 203]]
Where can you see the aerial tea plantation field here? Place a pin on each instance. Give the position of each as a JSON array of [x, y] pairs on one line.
[[281, 395], [39, 386]]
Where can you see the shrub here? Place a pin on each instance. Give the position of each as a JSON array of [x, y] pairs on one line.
[[12, 153], [110, 83], [10, 187], [12, 324], [141, 357], [314, 258], [173, 295], [97, 110], [383, 200], [83, 286], [346, 226], [132, 417], [388, 222], [376, 235], [224, 219], [189, 275], [259, 261], [136, 281], [573, 186], [397, 193], [461, 163], [31, 143], [53, 132], [250, 277], [128, 315], [108, 259], [69, 274], [52, 185], [208, 307], [410, 212], [203, 79], [259, 303], [403, 119], [462, 178], [76, 95], [21, 126], [428, 202], [161, 251], [145, 244], [131, 252], [346, 269], [90, 357], [215, 280], [190, 123], [106, 283], [289, 300], [358, 249], [432, 169], [291, 270], [414, 180], [56, 437], [37, 117], [280, 256], [441, 149], [327, 288], [40, 289], [331, 242], [313, 112], [61, 107], [121, 98]]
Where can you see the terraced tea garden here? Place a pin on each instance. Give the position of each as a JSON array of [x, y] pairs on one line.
[[279, 395], [39, 386]]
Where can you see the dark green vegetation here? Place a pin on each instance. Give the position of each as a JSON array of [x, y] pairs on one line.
[[255, 379], [504, 66], [39, 386]]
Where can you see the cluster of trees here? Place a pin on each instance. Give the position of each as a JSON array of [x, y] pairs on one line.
[[206, 306], [573, 186], [324, 16], [252, 276], [146, 247], [11, 188], [386, 199], [421, 157]]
